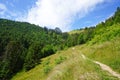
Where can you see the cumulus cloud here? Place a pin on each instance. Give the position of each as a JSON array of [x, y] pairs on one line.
[[59, 13]]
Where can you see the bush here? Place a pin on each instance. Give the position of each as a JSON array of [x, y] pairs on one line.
[[47, 62], [46, 66], [47, 69], [47, 50], [60, 60]]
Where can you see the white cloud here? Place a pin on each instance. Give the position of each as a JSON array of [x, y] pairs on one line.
[[59, 13], [2, 9]]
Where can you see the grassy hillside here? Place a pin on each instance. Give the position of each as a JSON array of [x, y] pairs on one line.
[[106, 33], [102, 43], [24, 46], [76, 31], [69, 64], [108, 53]]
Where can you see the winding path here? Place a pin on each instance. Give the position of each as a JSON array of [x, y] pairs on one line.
[[103, 67]]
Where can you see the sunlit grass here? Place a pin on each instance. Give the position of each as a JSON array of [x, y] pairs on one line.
[[76, 31], [107, 53], [74, 67]]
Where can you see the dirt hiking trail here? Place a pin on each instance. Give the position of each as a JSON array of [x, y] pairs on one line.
[[103, 67]]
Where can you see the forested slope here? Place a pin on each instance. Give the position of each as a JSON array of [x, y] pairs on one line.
[[22, 45]]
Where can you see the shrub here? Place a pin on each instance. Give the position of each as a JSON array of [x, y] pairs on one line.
[[60, 60], [47, 69]]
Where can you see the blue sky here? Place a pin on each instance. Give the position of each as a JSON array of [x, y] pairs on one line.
[[100, 13], [65, 14], [16, 7]]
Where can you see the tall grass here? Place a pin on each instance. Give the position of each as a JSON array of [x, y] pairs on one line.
[[74, 67], [107, 53]]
